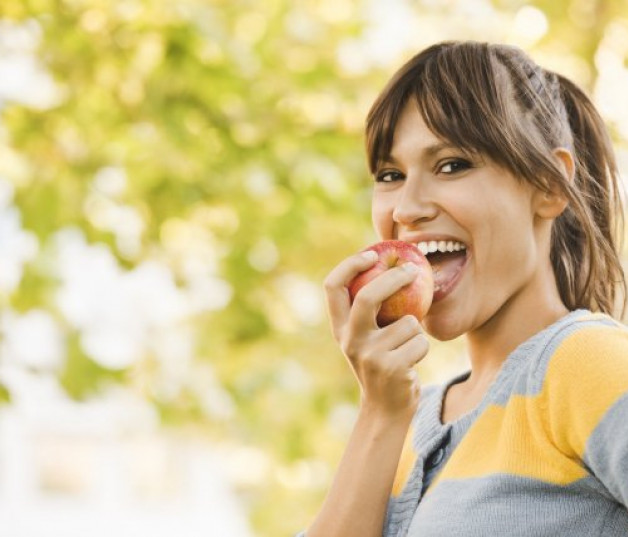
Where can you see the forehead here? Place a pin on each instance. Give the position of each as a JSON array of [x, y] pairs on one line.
[[412, 135]]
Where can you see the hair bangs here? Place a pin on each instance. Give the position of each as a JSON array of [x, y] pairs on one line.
[[382, 121], [459, 92], [461, 100]]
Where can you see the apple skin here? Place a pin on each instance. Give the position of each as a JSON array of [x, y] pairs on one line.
[[413, 299]]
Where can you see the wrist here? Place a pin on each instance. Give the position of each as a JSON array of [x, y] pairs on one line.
[[386, 418]]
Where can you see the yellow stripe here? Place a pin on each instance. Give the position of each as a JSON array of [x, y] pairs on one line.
[[509, 440], [585, 377], [406, 463]]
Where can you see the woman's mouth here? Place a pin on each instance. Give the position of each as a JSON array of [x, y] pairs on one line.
[[448, 260]]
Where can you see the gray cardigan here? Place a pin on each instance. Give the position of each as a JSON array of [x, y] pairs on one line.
[[545, 453]]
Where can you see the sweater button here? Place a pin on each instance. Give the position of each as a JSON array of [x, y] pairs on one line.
[[437, 458]]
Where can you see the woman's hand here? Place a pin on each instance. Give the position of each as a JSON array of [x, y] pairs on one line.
[[382, 359]]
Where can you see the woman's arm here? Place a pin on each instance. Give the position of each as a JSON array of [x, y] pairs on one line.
[[382, 361], [356, 503]]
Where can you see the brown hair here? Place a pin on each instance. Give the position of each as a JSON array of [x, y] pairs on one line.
[[493, 99]]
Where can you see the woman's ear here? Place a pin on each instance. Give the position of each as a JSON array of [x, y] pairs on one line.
[[550, 204], [566, 162]]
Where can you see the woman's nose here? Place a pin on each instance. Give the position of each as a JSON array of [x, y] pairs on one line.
[[413, 205]]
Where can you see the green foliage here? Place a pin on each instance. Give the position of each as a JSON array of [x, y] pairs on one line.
[[80, 376], [5, 395], [238, 128]]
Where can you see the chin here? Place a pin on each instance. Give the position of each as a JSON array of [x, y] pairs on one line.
[[442, 327]]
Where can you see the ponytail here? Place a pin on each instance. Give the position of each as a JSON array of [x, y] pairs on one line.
[[585, 252]]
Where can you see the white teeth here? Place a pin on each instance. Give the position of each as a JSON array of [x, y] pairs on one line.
[[440, 246]]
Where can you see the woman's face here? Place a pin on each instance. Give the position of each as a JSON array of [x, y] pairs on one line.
[[431, 192]]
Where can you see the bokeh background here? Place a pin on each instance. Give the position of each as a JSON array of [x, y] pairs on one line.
[[176, 179]]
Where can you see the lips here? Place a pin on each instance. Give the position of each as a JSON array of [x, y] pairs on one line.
[[448, 257], [447, 269]]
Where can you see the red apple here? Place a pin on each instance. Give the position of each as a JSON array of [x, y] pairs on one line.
[[413, 299]]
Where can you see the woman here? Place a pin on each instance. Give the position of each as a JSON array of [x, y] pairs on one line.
[[474, 144]]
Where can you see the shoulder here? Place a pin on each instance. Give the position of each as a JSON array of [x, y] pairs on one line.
[[586, 376], [579, 342], [594, 346]]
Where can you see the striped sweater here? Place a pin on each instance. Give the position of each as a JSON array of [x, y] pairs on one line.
[[544, 454]]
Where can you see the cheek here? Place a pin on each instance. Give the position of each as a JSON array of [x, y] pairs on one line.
[[381, 215], [508, 247]]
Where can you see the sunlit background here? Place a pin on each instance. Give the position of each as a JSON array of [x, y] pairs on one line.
[[176, 179]]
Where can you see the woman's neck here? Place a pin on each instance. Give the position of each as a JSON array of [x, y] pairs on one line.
[[489, 346]]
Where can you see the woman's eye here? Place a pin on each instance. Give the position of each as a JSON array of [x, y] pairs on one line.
[[388, 177], [452, 166]]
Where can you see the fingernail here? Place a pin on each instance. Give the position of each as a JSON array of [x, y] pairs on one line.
[[370, 255], [410, 267]]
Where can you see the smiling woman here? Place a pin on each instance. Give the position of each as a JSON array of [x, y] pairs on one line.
[[434, 201], [502, 173]]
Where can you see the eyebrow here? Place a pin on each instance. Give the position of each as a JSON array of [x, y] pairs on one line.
[[428, 151]]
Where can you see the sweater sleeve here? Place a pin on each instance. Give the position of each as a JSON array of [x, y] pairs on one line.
[[586, 398]]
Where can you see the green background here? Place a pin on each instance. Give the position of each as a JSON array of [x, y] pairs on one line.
[[238, 128]]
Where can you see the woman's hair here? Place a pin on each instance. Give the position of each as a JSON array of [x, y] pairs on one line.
[[494, 100]]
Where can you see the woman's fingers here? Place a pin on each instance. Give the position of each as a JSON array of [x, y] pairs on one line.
[[369, 299], [411, 352], [397, 333], [381, 358], [335, 284]]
